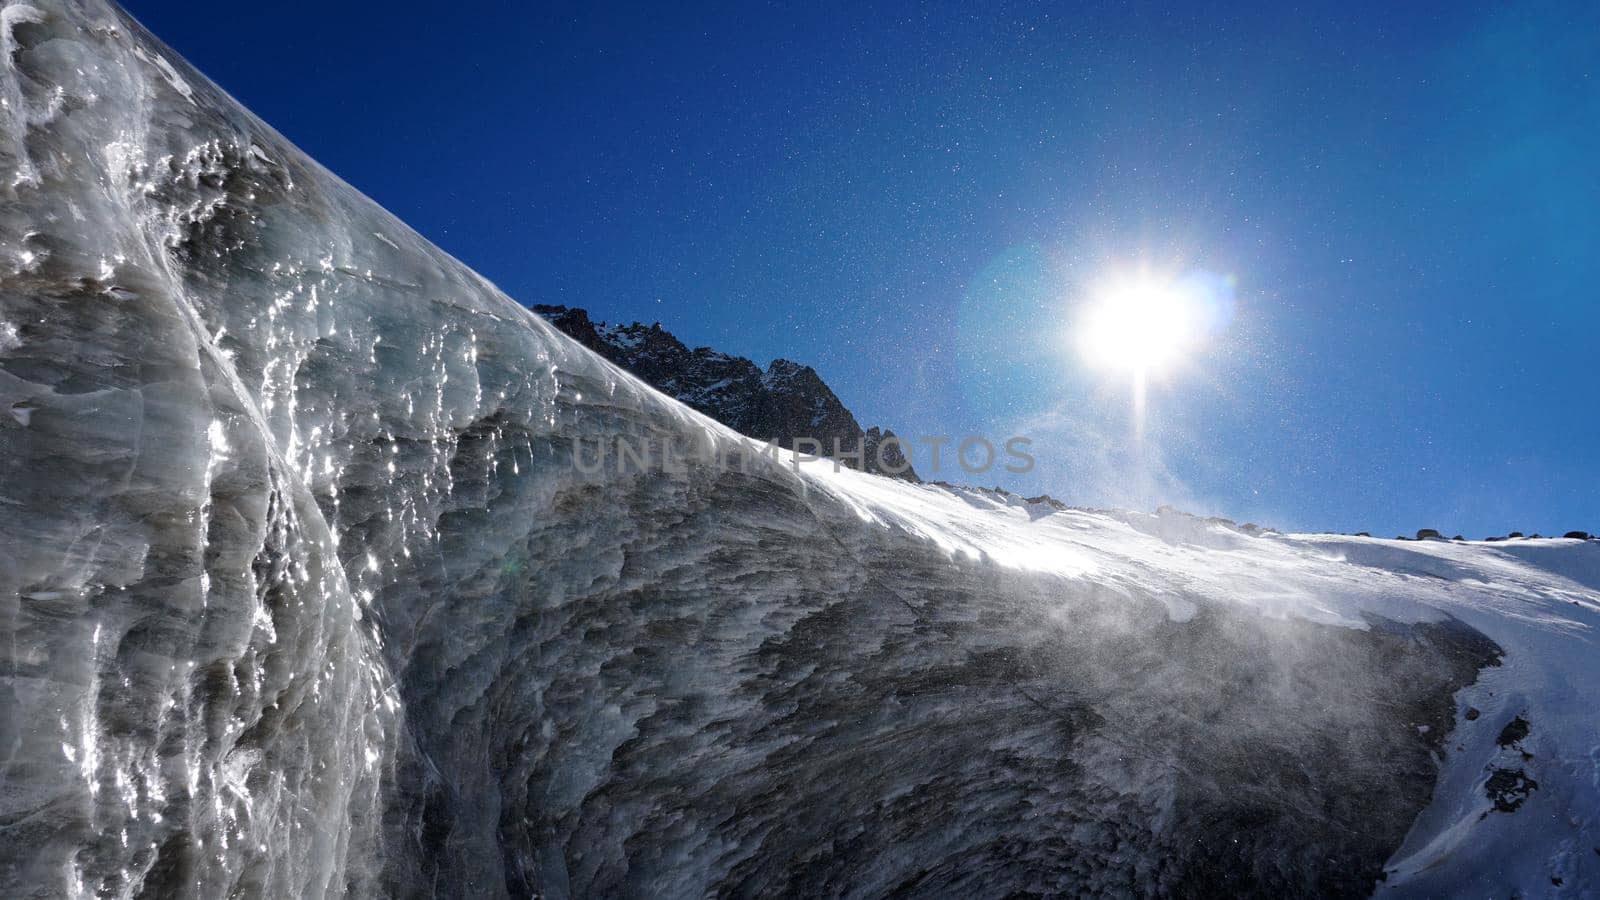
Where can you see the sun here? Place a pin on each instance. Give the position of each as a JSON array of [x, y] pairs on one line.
[[1141, 327]]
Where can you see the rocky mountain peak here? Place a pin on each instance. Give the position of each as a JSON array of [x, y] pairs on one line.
[[786, 402]]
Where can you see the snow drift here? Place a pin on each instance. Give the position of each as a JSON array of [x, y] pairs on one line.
[[304, 595]]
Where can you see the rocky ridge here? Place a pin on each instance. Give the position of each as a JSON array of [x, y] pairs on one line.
[[785, 403]]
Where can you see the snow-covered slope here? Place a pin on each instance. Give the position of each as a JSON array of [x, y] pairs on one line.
[[303, 592]]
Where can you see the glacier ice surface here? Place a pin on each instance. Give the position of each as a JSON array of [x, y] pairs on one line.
[[302, 594]]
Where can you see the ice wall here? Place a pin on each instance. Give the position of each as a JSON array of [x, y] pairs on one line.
[[301, 592]]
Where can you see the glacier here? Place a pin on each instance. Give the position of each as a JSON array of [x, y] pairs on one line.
[[302, 594]]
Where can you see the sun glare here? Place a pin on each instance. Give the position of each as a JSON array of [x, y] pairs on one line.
[[1143, 327]]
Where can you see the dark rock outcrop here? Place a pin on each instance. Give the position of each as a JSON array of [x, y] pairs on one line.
[[1509, 789], [787, 402], [1515, 730]]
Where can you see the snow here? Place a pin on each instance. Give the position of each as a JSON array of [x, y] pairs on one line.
[[304, 595], [622, 337], [1537, 599]]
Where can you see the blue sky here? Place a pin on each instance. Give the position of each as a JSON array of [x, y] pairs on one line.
[[915, 202]]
